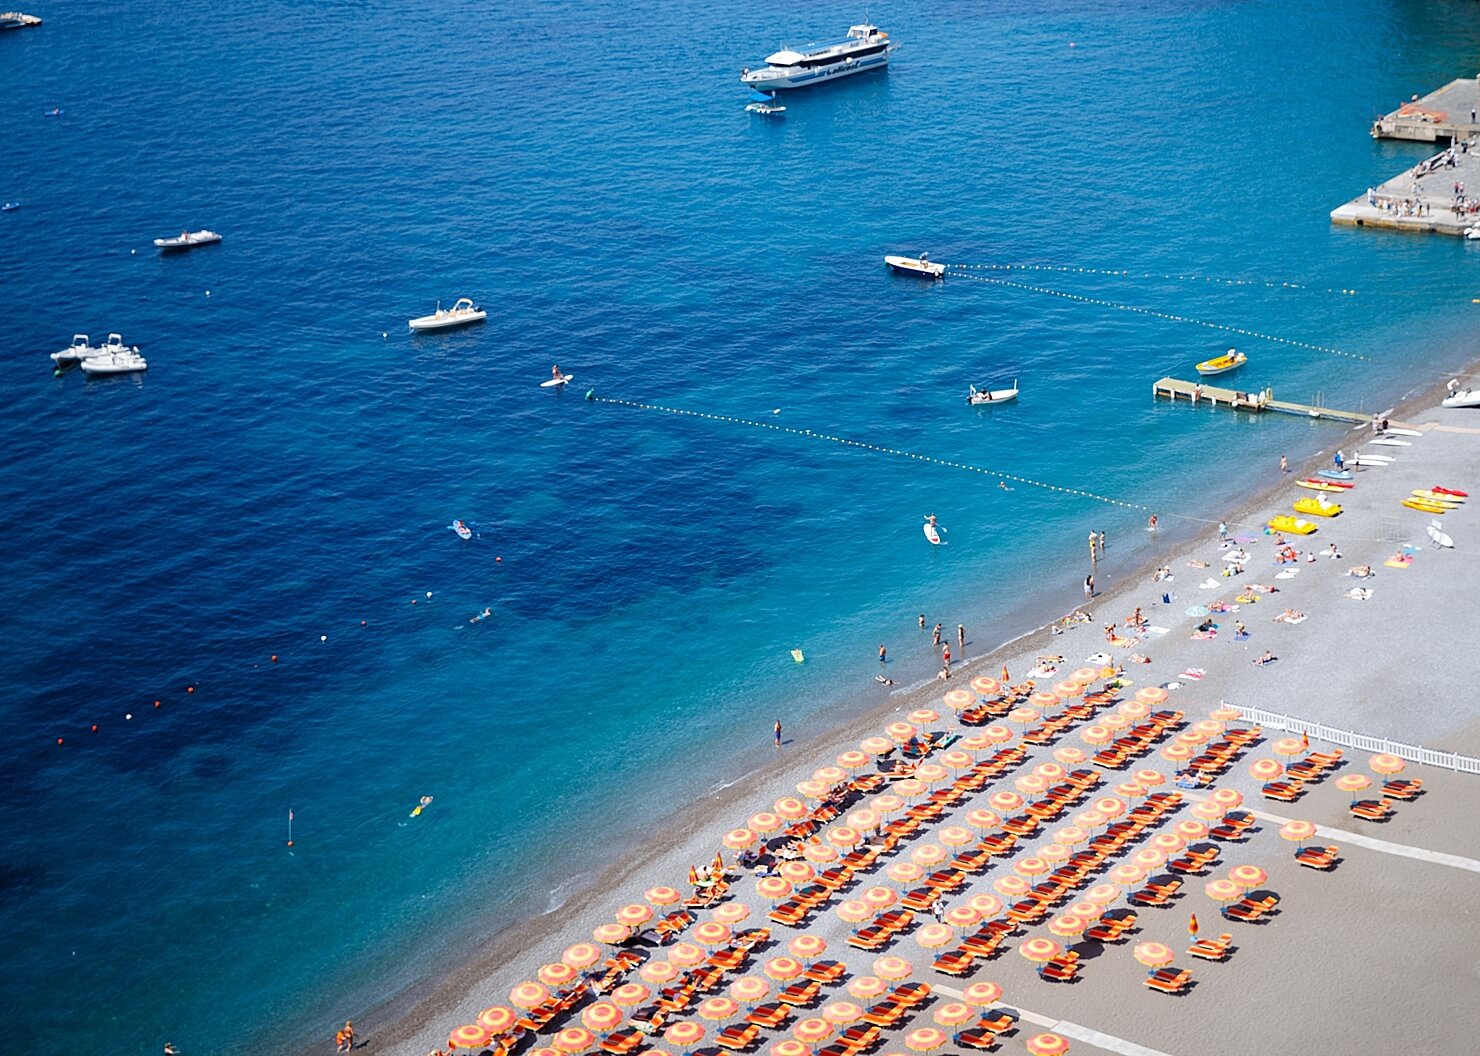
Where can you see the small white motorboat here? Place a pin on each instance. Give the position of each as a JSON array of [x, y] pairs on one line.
[[763, 104], [979, 397], [80, 349], [1230, 360], [188, 240], [18, 20], [1473, 234], [115, 358], [922, 266], [1462, 398], [460, 314]]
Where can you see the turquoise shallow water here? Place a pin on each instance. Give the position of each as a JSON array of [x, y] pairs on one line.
[[284, 472]]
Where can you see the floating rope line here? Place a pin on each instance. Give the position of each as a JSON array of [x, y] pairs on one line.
[[1163, 315], [1127, 273]]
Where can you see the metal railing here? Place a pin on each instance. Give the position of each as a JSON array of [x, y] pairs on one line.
[[1465, 764]]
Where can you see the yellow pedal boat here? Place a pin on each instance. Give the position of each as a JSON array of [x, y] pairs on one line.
[[1317, 507], [1291, 525]]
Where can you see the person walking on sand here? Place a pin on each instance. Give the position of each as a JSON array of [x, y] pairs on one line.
[[945, 654], [778, 733], [883, 654], [1222, 532], [1089, 585], [1284, 465]]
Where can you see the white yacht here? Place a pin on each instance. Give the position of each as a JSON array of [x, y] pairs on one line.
[[80, 348], [864, 48], [188, 239], [115, 358], [17, 20], [460, 314]]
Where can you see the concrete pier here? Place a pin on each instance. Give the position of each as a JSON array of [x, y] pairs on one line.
[[1446, 114], [1422, 197]]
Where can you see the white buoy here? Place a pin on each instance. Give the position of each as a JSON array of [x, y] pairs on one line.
[[429, 593], [130, 715], [323, 637], [208, 293]]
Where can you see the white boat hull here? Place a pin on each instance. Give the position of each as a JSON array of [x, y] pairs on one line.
[[114, 365], [1463, 399], [780, 78], [925, 269]]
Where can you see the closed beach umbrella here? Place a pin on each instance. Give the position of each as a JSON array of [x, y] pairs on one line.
[[987, 687], [1297, 832], [783, 969], [527, 995], [749, 989], [853, 759], [581, 955], [1385, 764], [773, 888], [1069, 755], [855, 911], [1228, 798], [923, 716], [789, 1047], [1022, 716], [766, 821], [1190, 830], [867, 987], [925, 1039], [962, 916], [955, 836], [1102, 894], [985, 903], [660, 972], [498, 1019], [663, 896], [1266, 769], [808, 946], [997, 734], [634, 915], [1054, 852], [1247, 875], [879, 897], [1152, 695], [933, 936], [711, 933], [790, 807], [573, 1039], [813, 788], [1207, 810], [892, 968], [1044, 700], [1039, 950], [603, 1016], [1005, 801], [1011, 886], [982, 994], [718, 1009], [1134, 709], [1047, 1045], [469, 1036], [956, 699], [556, 974], [929, 854], [1097, 734], [841, 1013], [844, 836], [683, 1035], [1176, 753], [1154, 954], [887, 803], [899, 731], [876, 745], [1070, 835], [686, 955], [1067, 924], [796, 872], [1030, 866], [629, 994], [982, 820], [612, 934], [953, 1014], [905, 872], [731, 913], [1128, 874], [820, 853], [1287, 746], [738, 839], [1222, 890], [812, 1030], [829, 775]]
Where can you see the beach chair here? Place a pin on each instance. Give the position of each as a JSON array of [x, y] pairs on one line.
[[872, 937], [1212, 949], [910, 994], [769, 1016], [825, 972], [1284, 791], [1403, 789], [999, 843], [857, 1038], [1028, 911], [982, 1040], [1148, 898], [621, 1042], [800, 995], [954, 962], [1317, 857], [998, 1022], [738, 1037], [1169, 980], [1061, 969], [981, 946], [884, 1014], [726, 960], [1241, 912], [1371, 810]]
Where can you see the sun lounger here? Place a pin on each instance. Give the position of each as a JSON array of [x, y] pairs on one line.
[[997, 1022], [1284, 791], [738, 1038], [872, 937], [622, 1042], [1317, 857], [1169, 980], [885, 1014], [954, 962], [1147, 897], [857, 1038], [1403, 789], [770, 1015], [1371, 810], [982, 1040], [1061, 969], [1243, 913], [1212, 949], [800, 995]]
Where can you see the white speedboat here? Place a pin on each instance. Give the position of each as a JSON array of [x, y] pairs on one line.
[[980, 397], [763, 104], [188, 240], [922, 266], [80, 349], [17, 20], [1462, 398], [1230, 360], [460, 314], [115, 358], [1472, 233], [864, 48]]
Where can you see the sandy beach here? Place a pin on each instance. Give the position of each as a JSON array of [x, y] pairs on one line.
[[1344, 952]]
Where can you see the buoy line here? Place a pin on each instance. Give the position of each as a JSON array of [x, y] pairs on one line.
[[811, 434], [1132, 273], [1168, 316]]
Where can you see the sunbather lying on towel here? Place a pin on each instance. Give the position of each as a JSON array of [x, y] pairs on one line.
[[1290, 616], [1360, 571], [1267, 658]]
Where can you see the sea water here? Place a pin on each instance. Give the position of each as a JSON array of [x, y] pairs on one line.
[[281, 481]]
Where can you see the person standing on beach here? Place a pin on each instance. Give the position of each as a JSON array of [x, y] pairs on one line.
[[1222, 532], [1102, 544], [1284, 465], [1094, 553], [945, 653], [1339, 460], [1089, 585], [883, 654], [961, 637], [937, 636], [778, 733], [1151, 522]]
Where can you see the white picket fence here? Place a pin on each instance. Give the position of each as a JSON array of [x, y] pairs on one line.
[[1416, 753]]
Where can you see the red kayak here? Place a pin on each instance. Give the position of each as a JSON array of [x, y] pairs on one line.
[[1333, 483], [1450, 491]]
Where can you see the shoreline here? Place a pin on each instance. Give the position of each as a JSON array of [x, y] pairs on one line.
[[428, 1004]]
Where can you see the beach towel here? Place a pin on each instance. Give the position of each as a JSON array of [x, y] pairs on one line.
[[1098, 658], [1246, 599], [1209, 584], [1398, 561], [1204, 636], [1282, 618], [1359, 594], [1156, 632], [1193, 674], [1123, 642], [1289, 573]]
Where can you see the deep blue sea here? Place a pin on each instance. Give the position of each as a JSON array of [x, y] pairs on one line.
[[282, 479]]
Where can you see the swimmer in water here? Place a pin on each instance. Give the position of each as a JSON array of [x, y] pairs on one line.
[[881, 680], [426, 801], [481, 616]]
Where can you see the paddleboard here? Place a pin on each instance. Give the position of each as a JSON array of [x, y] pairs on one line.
[[462, 530], [1318, 485], [1387, 441], [1333, 474], [1402, 432], [1437, 496], [1375, 458], [557, 382], [1450, 491], [931, 533], [796, 654], [1426, 507], [1439, 537]]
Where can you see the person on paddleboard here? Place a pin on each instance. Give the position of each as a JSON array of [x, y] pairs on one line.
[[555, 373]]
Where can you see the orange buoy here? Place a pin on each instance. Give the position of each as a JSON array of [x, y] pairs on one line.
[[189, 689], [274, 657], [59, 740], [156, 703], [95, 728]]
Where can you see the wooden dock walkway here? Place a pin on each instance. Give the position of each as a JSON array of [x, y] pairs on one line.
[[1196, 392]]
